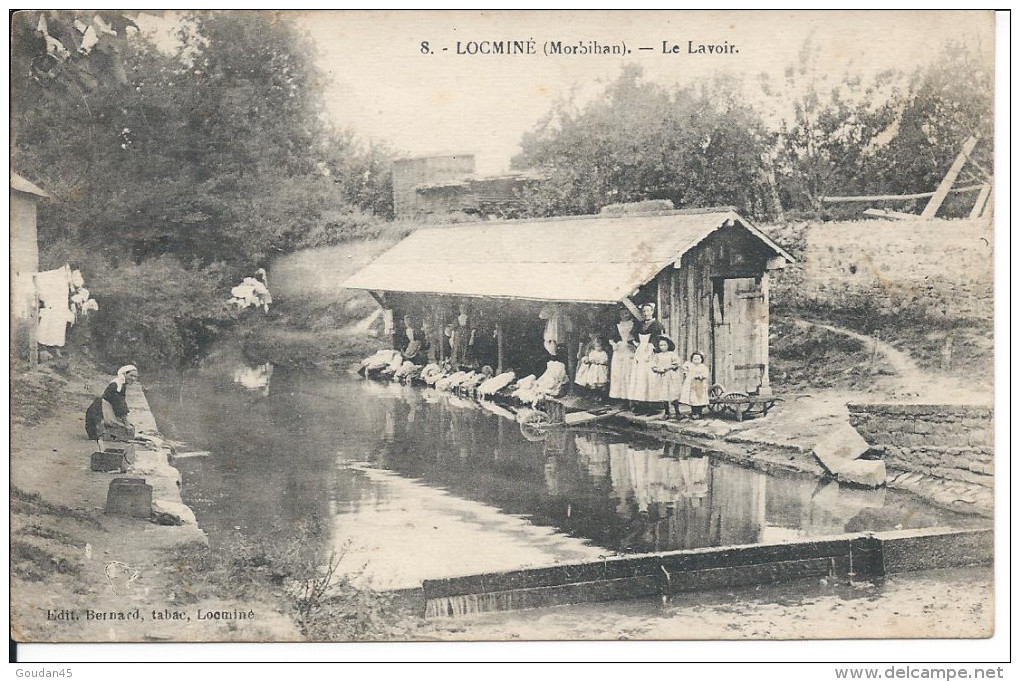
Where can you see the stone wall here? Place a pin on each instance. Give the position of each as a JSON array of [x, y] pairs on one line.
[[951, 442], [933, 268]]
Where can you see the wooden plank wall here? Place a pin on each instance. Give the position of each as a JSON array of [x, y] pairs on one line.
[[685, 293]]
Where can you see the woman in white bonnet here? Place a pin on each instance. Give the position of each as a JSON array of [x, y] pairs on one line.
[[106, 418]]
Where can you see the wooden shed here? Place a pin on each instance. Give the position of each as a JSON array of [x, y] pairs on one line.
[[24, 243], [707, 270]]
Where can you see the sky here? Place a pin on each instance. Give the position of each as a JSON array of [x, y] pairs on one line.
[[381, 85]]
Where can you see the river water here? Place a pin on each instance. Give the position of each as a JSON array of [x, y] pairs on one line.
[[419, 484]]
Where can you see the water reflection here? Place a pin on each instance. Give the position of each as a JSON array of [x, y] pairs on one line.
[[255, 378], [296, 449], [617, 492]]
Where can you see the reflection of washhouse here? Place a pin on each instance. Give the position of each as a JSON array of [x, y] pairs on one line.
[[623, 495], [675, 498]]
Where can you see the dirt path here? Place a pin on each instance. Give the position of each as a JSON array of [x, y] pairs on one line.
[[910, 382]]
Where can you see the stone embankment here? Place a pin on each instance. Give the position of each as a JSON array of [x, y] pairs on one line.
[[943, 453], [949, 448], [154, 461]]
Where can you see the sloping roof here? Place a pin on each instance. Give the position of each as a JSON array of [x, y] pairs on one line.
[[22, 185], [590, 260]]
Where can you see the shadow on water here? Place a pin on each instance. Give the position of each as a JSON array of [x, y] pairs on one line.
[[288, 447]]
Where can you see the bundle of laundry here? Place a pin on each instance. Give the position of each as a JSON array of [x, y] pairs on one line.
[[495, 384], [550, 384], [406, 371], [252, 292], [377, 361], [476, 379], [448, 383], [432, 373]]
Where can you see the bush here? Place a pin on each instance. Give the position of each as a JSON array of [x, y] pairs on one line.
[[351, 225], [158, 311], [289, 566]]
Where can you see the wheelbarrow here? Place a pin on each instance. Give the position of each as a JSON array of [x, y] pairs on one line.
[[738, 404]]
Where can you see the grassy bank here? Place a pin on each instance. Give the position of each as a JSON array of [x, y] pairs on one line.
[[312, 331], [285, 569], [804, 358], [893, 281]]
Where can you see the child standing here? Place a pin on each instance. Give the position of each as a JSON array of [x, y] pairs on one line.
[[593, 370], [666, 369], [694, 390]]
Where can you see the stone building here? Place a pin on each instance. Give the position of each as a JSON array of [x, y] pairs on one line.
[[444, 185]]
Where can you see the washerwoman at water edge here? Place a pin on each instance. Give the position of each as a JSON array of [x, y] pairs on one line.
[[106, 418], [417, 344], [642, 376], [623, 342]]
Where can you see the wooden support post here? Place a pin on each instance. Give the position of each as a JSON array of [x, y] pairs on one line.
[[989, 204], [979, 204], [499, 348], [33, 328], [890, 215], [947, 182], [441, 326], [765, 389], [896, 197]]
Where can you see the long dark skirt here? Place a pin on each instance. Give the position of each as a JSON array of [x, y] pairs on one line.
[[97, 428]]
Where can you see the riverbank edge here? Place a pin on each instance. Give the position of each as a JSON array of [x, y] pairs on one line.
[[76, 561], [156, 465], [770, 457]]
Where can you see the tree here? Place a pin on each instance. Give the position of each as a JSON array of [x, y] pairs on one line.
[[695, 146], [825, 149], [827, 127], [947, 102], [216, 149], [191, 162]]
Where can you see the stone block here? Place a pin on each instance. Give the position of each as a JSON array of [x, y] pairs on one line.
[[930, 549], [840, 445], [980, 437], [958, 474], [166, 513], [129, 497], [862, 472], [925, 427], [109, 460]]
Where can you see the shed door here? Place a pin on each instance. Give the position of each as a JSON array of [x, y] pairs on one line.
[[738, 326]]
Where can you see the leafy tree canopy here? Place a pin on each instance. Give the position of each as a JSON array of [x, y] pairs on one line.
[[214, 149]]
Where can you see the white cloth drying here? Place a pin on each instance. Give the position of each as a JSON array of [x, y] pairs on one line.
[[53, 326]]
